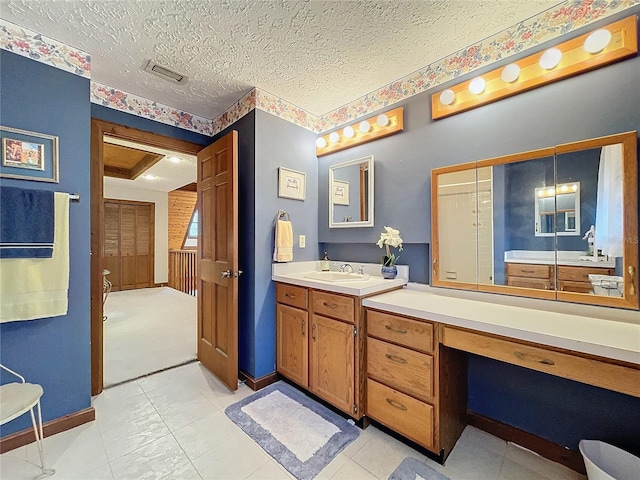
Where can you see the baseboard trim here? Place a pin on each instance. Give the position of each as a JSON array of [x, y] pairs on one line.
[[541, 446], [256, 384], [25, 437]]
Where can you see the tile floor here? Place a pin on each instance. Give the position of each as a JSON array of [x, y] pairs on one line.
[[172, 425]]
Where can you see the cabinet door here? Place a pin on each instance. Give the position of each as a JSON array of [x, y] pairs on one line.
[[292, 352], [332, 362]]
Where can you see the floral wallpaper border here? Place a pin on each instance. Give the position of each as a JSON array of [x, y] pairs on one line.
[[127, 102], [35, 46], [553, 23]]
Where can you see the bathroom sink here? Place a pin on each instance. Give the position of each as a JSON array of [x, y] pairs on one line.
[[337, 276]]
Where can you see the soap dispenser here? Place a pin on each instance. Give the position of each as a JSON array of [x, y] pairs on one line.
[[325, 266]]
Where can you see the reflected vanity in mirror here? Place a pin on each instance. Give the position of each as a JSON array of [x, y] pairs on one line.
[[351, 194], [556, 223]]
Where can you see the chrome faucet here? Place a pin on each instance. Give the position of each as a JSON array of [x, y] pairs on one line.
[[361, 270], [345, 266]]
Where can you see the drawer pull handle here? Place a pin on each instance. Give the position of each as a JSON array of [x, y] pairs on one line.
[[290, 295], [397, 405], [524, 356], [313, 332], [333, 305], [395, 358], [397, 330], [304, 323], [632, 280], [528, 271]]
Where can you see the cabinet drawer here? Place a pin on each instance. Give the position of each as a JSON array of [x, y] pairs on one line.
[[291, 295], [581, 274], [525, 282], [404, 331], [592, 371], [407, 370], [332, 305], [527, 270], [402, 413]]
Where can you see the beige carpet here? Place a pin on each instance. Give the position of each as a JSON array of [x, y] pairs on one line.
[[147, 330]]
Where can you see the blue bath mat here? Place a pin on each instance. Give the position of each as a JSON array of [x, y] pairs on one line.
[[412, 469]]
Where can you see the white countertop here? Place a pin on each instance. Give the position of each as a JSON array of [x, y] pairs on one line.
[[567, 258], [616, 339], [294, 273]]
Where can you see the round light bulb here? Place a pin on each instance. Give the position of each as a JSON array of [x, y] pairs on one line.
[[541, 193], [550, 58], [348, 132], [574, 188], [477, 85], [564, 188], [334, 137], [510, 73], [321, 142], [364, 126], [551, 192], [382, 120], [447, 97], [597, 41]]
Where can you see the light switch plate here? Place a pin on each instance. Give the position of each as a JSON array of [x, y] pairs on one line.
[[302, 241]]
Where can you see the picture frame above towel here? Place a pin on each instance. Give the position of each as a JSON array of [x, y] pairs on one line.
[[29, 155], [292, 184]]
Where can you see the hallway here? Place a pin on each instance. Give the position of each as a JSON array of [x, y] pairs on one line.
[[147, 330]]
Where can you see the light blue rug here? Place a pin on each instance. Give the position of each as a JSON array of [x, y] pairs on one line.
[[412, 469], [301, 434]]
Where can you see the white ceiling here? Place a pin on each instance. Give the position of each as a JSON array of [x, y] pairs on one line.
[[318, 55], [167, 175]]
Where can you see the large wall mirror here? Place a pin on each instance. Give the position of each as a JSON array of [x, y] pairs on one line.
[[351, 194], [555, 223]]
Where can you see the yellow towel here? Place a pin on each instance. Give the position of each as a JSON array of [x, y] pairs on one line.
[[33, 288], [283, 251]]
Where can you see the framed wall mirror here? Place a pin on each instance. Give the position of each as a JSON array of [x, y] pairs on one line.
[[555, 223], [351, 195]]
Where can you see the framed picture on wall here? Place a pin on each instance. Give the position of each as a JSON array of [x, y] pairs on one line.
[[28, 155], [292, 184], [340, 193]]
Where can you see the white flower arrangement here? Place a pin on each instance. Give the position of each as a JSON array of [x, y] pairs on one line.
[[390, 238]]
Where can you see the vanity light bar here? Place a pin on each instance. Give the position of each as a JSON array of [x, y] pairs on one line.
[[592, 50], [362, 131]]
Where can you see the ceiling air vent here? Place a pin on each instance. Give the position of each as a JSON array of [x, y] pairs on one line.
[[164, 72]]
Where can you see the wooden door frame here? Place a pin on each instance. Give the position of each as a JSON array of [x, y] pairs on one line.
[[100, 128]]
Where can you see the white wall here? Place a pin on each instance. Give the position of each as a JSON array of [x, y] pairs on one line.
[[121, 192]]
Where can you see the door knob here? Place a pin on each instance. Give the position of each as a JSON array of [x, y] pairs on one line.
[[226, 273]]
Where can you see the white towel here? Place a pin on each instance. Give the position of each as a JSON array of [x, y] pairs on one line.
[[283, 251], [33, 288]]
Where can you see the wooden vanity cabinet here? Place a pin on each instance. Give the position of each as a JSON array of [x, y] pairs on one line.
[[415, 386], [319, 344], [570, 278], [527, 275]]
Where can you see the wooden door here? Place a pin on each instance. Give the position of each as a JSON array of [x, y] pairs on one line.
[[128, 246], [218, 258], [332, 360], [292, 349]]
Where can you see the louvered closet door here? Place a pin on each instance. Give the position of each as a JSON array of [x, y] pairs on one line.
[[128, 243], [111, 259]]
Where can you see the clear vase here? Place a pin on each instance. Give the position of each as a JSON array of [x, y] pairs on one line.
[[389, 272]]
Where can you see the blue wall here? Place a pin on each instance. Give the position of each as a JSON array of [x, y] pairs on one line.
[[597, 103], [54, 352], [279, 143]]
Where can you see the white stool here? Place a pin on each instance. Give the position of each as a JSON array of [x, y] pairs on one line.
[[18, 398]]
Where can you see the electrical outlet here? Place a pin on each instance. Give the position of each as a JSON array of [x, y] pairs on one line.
[[302, 241]]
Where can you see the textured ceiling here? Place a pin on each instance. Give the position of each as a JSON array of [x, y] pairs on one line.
[[318, 55]]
